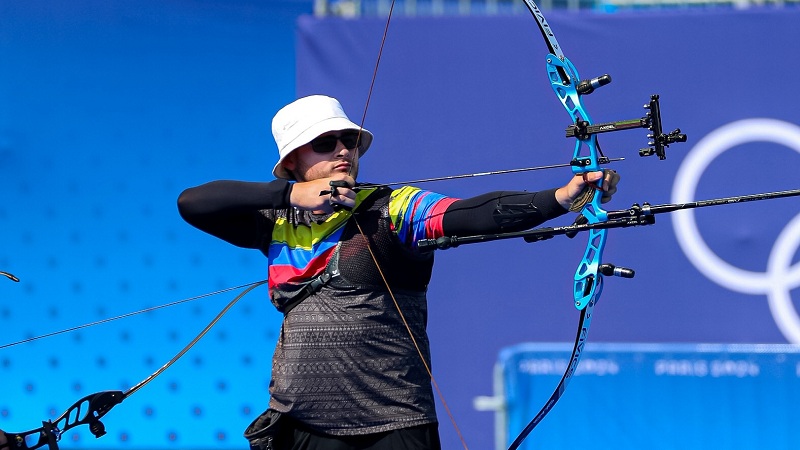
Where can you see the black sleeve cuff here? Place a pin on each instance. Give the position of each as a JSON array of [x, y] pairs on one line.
[[279, 193]]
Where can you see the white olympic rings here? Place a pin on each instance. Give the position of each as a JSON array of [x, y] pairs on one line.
[[781, 276]]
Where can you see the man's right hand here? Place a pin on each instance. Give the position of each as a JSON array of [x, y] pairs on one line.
[[307, 195]]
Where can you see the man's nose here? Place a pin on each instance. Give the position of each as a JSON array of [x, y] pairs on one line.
[[341, 149]]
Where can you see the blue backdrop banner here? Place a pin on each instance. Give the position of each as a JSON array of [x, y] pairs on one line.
[[466, 94]]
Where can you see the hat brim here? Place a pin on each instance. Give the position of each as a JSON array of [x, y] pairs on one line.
[[332, 124]]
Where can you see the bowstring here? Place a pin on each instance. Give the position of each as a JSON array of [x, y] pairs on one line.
[[413, 338], [372, 254], [375, 73]]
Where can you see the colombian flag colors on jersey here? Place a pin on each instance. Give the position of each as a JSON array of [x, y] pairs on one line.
[[299, 252]]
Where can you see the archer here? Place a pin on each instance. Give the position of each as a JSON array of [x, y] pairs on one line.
[[352, 364]]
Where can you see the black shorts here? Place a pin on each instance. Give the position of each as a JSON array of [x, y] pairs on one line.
[[294, 436]]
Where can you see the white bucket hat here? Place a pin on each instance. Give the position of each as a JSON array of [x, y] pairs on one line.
[[299, 122]]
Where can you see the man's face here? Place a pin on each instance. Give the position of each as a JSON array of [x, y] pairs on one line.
[[325, 156]]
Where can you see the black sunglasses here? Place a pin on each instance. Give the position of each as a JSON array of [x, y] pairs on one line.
[[327, 144]]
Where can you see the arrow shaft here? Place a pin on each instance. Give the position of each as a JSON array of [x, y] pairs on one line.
[[480, 174]]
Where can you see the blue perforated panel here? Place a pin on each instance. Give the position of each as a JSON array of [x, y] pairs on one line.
[[107, 111]]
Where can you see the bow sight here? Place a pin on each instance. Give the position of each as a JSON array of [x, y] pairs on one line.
[[659, 140]]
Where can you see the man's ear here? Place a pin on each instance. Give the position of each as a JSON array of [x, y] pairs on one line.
[[290, 162]]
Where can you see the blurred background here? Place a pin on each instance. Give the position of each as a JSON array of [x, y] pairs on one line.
[[109, 109]]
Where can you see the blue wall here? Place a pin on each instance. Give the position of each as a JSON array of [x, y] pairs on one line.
[[108, 110]]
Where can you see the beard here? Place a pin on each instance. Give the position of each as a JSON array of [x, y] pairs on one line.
[[310, 172]]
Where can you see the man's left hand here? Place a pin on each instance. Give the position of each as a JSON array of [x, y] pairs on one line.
[[580, 189]]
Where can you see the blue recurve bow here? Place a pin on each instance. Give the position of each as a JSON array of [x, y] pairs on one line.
[[587, 157]]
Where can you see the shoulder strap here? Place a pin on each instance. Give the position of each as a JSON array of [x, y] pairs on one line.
[[311, 288]]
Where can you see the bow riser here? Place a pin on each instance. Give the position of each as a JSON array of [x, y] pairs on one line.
[[586, 157], [588, 282]]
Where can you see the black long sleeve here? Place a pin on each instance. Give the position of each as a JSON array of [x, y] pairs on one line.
[[229, 210], [501, 211]]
